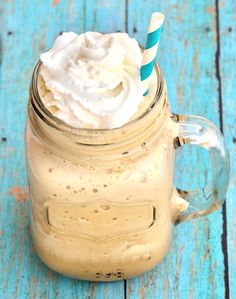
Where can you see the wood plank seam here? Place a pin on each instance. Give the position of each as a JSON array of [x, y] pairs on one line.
[[126, 15], [218, 77], [126, 29]]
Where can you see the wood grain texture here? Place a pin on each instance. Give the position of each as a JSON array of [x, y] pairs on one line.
[[227, 18], [194, 268]]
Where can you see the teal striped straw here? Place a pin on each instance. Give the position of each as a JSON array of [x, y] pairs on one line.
[[150, 51]]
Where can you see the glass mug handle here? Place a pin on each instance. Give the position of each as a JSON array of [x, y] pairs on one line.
[[197, 130]]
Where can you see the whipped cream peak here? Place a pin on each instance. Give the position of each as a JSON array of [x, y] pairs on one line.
[[93, 79]]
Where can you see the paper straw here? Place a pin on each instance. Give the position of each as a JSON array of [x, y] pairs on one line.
[[150, 51]]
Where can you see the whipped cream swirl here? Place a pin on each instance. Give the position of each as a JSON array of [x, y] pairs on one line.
[[93, 79]]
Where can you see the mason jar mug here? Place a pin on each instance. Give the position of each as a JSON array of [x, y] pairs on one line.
[[102, 202]]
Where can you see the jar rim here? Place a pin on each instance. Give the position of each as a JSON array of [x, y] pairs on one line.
[[51, 120]]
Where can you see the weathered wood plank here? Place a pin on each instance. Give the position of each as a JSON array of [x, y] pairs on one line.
[[104, 15], [27, 28], [194, 268], [227, 19]]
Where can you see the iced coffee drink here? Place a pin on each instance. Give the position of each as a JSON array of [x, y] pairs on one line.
[[100, 159]]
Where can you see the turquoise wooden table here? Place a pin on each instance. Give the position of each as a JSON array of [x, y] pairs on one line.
[[197, 56]]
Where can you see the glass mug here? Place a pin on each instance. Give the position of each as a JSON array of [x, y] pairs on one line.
[[102, 202]]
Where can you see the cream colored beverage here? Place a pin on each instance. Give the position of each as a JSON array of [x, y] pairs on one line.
[[100, 159]]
